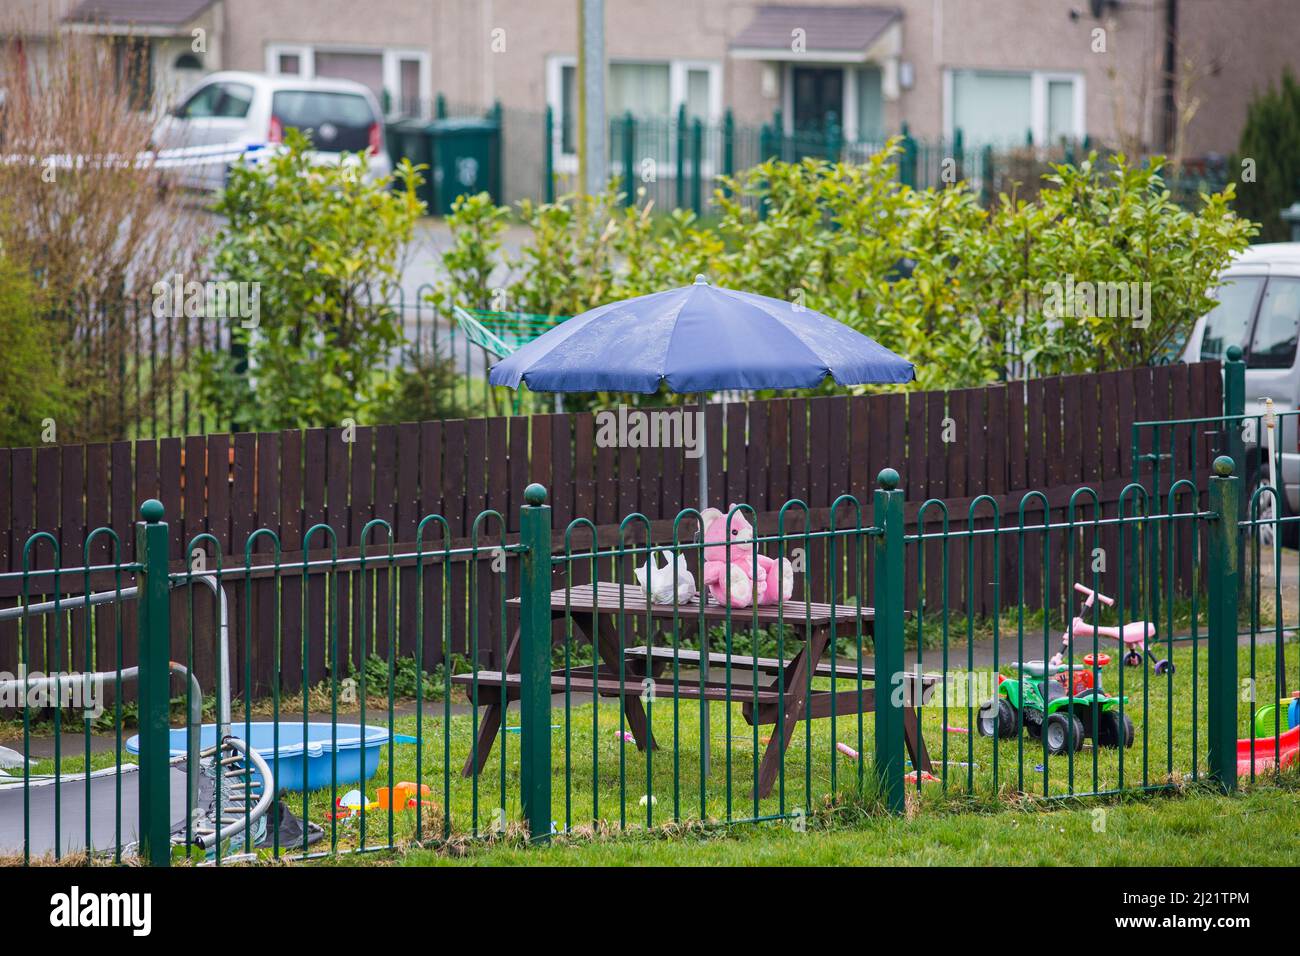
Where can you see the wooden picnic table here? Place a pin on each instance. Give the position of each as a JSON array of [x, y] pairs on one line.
[[595, 610]]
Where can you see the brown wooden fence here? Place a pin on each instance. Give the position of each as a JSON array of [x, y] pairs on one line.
[[1050, 434]]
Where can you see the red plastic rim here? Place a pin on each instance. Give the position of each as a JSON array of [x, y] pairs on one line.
[[1101, 660]]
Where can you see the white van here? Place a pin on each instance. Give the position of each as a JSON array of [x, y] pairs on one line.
[[243, 111], [1259, 310]]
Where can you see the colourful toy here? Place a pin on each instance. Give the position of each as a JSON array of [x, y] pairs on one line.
[[1263, 754], [846, 750], [405, 796], [1268, 720], [729, 572], [1058, 704], [1132, 636]]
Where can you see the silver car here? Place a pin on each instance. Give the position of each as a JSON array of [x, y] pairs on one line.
[[234, 114], [1259, 310]]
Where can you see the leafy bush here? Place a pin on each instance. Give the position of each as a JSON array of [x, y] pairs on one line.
[[964, 292], [407, 677], [1271, 140], [32, 388], [326, 248]]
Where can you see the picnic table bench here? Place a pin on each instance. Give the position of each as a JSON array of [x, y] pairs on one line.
[[594, 611]]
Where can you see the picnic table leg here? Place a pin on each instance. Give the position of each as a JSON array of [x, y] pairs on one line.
[[795, 701], [607, 644], [490, 723], [916, 751]]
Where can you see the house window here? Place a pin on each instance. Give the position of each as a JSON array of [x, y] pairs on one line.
[[648, 90], [400, 79], [698, 102], [410, 100], [642, 89], [1009, 107], [871, 104]]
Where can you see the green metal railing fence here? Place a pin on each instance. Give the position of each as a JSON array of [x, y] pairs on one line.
[[632, 713]]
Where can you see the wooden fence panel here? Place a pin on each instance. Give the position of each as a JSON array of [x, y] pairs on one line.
[[1048, 434]]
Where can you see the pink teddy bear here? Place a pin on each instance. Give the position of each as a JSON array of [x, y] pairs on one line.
[[733, 582]]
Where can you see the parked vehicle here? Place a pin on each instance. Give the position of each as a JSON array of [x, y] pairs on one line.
[[243, 111], [1259, 310]]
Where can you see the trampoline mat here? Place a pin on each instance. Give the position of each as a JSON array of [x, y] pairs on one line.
[[71, 834]]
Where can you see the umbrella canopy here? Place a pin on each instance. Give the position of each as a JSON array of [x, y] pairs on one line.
[[699, 338]]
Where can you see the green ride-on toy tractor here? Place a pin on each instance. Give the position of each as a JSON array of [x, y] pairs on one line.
[[1059, 710]]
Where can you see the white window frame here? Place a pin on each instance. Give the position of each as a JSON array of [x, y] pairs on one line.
[[1038, 80], [677, 87], [305, 54], [391, 68]]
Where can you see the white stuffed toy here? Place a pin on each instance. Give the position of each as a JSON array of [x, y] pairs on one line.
[[659, 587]]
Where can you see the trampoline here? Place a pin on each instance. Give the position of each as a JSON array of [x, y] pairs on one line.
[[70, 793]]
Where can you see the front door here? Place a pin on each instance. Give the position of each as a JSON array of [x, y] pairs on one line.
[[818, 92]]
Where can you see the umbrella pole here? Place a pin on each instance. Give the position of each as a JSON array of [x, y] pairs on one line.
[[704, 595]]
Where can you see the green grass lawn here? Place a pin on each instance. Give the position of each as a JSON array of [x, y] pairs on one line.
[[1193, 829], [606, 786]]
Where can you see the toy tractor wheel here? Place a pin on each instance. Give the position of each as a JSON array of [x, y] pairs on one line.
[[1001, 722], [1114, 729], [1132, 659], [1164, 667], [1063, 733]]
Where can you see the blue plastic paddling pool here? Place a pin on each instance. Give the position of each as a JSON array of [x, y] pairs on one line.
[[357, 759]]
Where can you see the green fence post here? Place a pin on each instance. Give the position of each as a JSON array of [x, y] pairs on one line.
[[535, 663], [629, 158], [907, 162], [728, 145], [1234, 404], [548, 154], [681, 156], [888, 599], [958, 155], [154, 634], [440, 107], [1223, 558], [697, 163], [986, 177], [834, 138]]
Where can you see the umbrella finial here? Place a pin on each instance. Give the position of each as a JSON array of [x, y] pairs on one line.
[[701, 280]]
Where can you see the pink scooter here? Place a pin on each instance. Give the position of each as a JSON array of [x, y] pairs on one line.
[[1133, 636]]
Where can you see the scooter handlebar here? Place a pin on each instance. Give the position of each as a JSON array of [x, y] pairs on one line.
[[1108, 601]]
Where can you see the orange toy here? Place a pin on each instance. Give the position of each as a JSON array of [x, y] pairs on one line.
[[406, 796]]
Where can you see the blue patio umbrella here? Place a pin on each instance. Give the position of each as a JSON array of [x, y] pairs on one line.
[[699, 338]]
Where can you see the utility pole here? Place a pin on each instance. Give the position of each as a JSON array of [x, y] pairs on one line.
[[1169, 96], [592, 151]]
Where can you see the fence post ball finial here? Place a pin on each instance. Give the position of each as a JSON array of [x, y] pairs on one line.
[[152, 511], [535, 495], [888, 479], [1223, 466], [1234, 353]]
